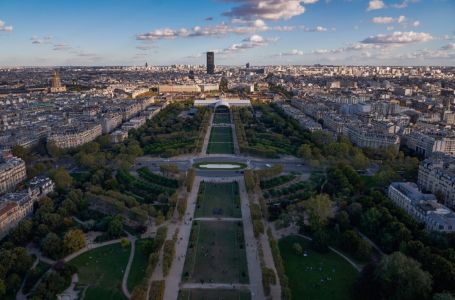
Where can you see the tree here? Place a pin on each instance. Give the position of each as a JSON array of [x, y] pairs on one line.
[[320, 241], [51, 245], [297, 248], [396, 277], [169, 169], [21, 233], [52, 149], [21, 152], [319, 209], [73, 240], [305, 152], [115, 228], [443, 296], [62, 178]]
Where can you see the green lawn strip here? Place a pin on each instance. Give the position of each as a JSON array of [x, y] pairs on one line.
[[316, 276], [101, 270], [221, 135], [139, 265], [220, 148], [221, 118], [190, 261], [204, 294], [219, 257], [219, 200]]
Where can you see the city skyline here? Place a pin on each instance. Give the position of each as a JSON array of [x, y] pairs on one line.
[[262, 32]]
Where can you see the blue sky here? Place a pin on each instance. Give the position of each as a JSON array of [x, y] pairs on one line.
[[114, 32]]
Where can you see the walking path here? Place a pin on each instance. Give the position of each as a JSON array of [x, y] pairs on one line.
[[207, 136], [234, 135], [252, 254], [175, 273], [132, 240], [275, 289]]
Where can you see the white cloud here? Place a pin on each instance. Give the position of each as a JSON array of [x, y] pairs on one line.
[[349, 48], [416, 23], [237, 26], [404, 4], [293, 52], [401, 19], [388, 20], [375, 4], [266, 9], [310, 1], [316, 29], [253, 41], [383, 20], [4, 27], [399, 37]]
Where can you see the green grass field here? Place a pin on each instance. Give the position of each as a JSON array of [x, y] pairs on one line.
[[316, 276], [198, 294], [220, 141], [101, 271], [218, 200], [139, 265], [221, 134], [221, 118], [216, 253]]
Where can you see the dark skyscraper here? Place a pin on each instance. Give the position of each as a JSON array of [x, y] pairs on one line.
[[210, 62]]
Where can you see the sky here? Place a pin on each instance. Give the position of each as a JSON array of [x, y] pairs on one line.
[[261, 32]]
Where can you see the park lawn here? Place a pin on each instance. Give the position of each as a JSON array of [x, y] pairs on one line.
[[220, 141], [217, 254], [139, 265], [101, 270], [218, 200], [306, 282], [220, 148], [221, 135], [220, 118], [205, 294]]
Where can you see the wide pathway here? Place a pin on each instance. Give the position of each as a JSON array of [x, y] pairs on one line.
[[207, 135], [252, 254], [175, 273]]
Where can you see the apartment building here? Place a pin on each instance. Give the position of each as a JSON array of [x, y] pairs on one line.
[[422, 207], [75, 136], [368, 137], [175, 88], [111, 121], [12, 172], [428, 143], [14, 207], [437, 175]]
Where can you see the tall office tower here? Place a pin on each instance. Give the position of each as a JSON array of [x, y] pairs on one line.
[[57, 86], [210, 62]]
